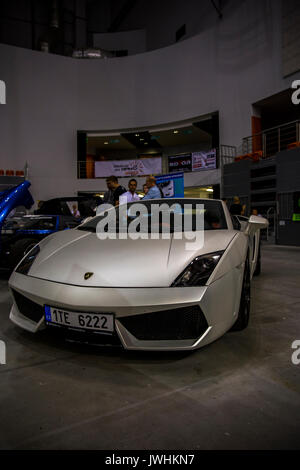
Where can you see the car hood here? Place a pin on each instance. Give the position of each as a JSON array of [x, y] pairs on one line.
[[66, 256], [14, 197]]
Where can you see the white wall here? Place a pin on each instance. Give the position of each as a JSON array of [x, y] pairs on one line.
[[38, 122], [227, 67]]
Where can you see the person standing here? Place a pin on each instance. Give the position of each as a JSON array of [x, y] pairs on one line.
[[75, 211], [114, 186], [236, 208], [131, 195], [154, 192], [255, 212]]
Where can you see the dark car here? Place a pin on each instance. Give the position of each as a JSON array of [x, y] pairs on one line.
[[63, 205], [20, 234]]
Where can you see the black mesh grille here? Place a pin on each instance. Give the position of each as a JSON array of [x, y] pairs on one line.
[[175, 324], [28, 308]]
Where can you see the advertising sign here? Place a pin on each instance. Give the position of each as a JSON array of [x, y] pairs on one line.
[[204, 160], [172, 185], [180, 162], [123, 168]]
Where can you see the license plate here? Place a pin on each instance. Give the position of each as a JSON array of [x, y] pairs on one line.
[[102, 322]]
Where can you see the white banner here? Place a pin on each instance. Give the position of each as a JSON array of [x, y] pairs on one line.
[[119, 168], [204, 160]]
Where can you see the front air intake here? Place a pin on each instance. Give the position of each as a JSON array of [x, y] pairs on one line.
[[176, 324], [26, 307]]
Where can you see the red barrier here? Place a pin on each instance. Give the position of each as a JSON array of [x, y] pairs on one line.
[[293, 145], [254, 156]]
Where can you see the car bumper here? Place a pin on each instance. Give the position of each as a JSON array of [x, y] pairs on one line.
[[132, 306]]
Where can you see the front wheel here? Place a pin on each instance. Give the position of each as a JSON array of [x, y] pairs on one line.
[[244, 310], [258, 263]]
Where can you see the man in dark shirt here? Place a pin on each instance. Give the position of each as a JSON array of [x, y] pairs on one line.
[[113, 185], [236, 208]]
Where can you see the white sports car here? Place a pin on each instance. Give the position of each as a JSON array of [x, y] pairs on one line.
[[144, 292]]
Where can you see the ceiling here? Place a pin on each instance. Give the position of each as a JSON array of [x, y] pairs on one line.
[[155, 140]]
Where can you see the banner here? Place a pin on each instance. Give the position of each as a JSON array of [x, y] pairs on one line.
[[204, 160], [171, 185], [123, 168], [181, 162]]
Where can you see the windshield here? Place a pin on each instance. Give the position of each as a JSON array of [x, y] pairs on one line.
[[29, 222], [172, 215]]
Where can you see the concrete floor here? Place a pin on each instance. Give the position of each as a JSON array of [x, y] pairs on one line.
[[241, 392]]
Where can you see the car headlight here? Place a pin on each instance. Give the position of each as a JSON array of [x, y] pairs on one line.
[[27, 262], [198, 271]]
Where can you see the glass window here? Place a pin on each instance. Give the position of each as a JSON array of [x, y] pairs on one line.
[[170, 211]]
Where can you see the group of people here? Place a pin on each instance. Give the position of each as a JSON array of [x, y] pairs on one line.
[[116, 193]]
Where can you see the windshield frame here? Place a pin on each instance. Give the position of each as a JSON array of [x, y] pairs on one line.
[[209, 204]]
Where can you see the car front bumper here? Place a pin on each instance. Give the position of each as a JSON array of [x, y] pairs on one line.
[[216, 303]]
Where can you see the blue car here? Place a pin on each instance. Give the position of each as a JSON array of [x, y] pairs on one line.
[[20, 233], [12, 198]]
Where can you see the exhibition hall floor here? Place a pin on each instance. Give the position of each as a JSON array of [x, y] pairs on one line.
[[240, 392]]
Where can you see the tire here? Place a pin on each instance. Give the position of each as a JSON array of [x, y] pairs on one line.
[[244, 309], [19, 249], [258, 264]]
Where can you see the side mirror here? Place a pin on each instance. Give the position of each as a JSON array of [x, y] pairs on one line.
[[258, 222]]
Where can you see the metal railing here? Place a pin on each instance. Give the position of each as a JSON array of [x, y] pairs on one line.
[[273, 140], [227, 154], [272, 219]]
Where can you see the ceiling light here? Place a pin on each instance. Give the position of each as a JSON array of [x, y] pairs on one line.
[[175, 132], [137, 135], [105, 143], [142, 139], [209, 190]]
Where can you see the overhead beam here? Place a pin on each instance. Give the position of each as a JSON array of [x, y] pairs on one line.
[[217, 8]]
